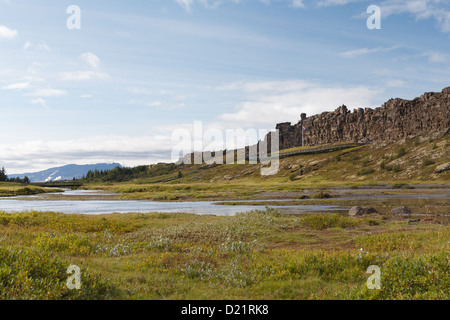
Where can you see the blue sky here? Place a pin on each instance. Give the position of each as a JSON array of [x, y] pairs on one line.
[[116, 89]]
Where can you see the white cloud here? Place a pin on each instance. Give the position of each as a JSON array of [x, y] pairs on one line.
[[94, 62], [297, 4], [7, 33], [356, 52], [154, 104], [436, 57], [265, 103], [142, 91], [83, 75], [211, 3], [269, 103], [420, 9], [41, 102], [27, 45], [166, 92], [48, 92], [395, 83], [91, 59], [34, 68], [364, 51], [186, 4], [327, 3], [38, 155], [41, 46], [269, 86], [17, 86]]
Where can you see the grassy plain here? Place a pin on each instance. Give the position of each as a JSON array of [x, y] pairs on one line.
[[256, 255], [9, 189], [401, 165], [261, 254]]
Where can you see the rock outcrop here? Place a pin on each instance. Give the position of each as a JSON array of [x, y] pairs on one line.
[[360, 211], [443, 168], [395, 120], [402, 211]]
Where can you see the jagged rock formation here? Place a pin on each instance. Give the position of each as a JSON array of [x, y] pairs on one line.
[[395, 120]]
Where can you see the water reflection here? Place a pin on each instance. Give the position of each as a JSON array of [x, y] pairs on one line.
[[96, 207]]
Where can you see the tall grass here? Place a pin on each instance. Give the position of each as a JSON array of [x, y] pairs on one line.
[[34, 275], [324, 221], [261, 254]]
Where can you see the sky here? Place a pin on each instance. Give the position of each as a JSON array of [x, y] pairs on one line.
[[119, 80]]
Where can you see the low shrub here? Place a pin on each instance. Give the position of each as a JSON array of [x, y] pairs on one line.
[[412, 277], [322, 195], [35, 275], [401, 152], [325, 221], [365, 172]]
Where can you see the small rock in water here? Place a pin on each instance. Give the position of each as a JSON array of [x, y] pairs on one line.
[[403, 211], [359, 211]]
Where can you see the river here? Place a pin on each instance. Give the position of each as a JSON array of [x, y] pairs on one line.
[[91, 202], [97, 207]]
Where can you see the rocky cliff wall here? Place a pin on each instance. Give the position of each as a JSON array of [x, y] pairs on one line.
[[395, 120]]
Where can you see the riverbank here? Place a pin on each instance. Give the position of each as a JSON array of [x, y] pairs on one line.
[[403, 165], [423, 201], [10, 189], [254, 190], [256, 255]]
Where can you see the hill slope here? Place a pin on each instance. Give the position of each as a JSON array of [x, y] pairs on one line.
[[411, 160], [422, 160]]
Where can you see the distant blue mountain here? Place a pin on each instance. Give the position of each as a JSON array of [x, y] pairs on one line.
[[67, 172]]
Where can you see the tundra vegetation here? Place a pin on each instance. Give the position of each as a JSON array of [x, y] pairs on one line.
[[261, 254], [403, 163], [13, 189]]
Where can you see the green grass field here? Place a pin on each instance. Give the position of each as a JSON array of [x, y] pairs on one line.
[[403, 163], [254, 255], [8, 189], [261, 254]]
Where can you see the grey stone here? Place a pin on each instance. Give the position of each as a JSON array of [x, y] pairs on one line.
[[393, 121], [359, 211], [443, 168], [403, 211]]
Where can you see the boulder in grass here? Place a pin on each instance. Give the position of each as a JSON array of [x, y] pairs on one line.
[[360, 211], [443, 168], [401, 211]]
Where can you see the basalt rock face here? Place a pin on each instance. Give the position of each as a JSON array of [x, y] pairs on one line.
[[395, 120]]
